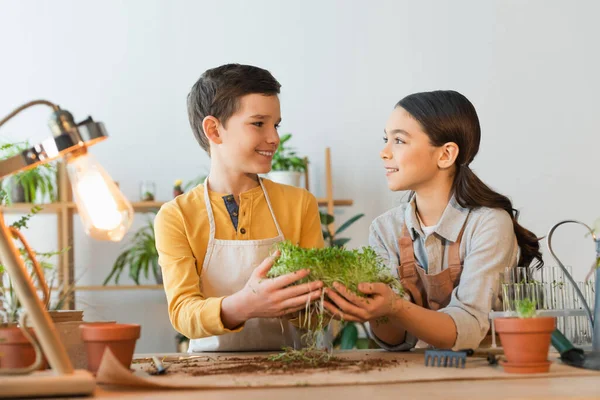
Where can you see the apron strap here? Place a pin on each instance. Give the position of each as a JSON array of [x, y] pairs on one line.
[[279, 233], [209, 211], [407, 255], [407, 270]]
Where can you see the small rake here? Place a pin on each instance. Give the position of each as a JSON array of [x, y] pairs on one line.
[[449, 358]]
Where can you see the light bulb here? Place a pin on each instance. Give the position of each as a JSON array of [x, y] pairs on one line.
[[105, 212]]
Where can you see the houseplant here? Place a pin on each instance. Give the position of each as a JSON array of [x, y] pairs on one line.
[[37, 185], [287, 168], [139, 256], [526, 339]]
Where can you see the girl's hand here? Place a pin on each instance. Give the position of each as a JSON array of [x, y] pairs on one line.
[[381, 301]]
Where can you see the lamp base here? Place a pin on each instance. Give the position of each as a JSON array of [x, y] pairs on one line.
[[47, 384]]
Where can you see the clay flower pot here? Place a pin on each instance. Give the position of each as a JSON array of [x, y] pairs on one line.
[[526, 342], [15, 349], [120, 338]]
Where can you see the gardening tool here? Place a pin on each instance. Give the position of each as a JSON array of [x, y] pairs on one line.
[[591, 360], [449, 358], [160, 368], [569, 354]]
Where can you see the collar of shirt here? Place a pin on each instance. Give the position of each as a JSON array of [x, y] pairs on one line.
[[449, 225]]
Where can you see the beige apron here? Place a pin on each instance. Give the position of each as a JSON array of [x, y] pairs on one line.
[[227, 267]]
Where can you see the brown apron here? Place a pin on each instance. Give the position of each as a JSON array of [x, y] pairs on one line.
[[431, 291]]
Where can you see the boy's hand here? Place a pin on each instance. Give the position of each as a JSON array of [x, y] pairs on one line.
[[345, 305], [264, 297]]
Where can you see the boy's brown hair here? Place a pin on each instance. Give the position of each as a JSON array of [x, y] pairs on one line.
[[217, 93]]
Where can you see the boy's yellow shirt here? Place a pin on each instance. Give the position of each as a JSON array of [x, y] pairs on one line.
[[182, 233]]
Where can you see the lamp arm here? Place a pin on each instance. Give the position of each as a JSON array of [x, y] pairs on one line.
[[26, 106], [36, 265], [15, 266], [569, 277], [44, 328]]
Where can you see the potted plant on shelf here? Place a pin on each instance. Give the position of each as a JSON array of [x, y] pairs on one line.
[[37, 185], [287, 168], [139, 256], [526, 339]]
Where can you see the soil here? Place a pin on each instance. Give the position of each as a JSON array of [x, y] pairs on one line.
[[262, 365]]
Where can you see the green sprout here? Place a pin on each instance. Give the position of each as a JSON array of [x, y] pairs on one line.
[[526, 308]]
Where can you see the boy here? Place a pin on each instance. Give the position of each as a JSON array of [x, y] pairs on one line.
[[214, 241]]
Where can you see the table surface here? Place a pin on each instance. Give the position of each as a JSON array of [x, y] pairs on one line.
[[572, 387], [539, 388]]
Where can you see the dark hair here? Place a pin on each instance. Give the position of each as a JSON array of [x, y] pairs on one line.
[[218, 90], [448, 116]]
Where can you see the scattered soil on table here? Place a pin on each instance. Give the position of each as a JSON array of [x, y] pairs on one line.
[[262, 365]]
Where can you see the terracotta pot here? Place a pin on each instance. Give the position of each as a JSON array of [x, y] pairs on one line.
[[526, 342], [120, 338], [15, 350]]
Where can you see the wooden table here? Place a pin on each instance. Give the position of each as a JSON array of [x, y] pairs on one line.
[[573, 387], [541, 388]]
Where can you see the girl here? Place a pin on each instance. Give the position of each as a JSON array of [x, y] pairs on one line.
[[448, 243]]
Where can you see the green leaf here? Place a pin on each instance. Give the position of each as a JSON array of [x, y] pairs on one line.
[[285, 159], [526, 308], [285, 138], [156, 269], [340, 242], [326, 219], [349, 337], [346, 224], [117, 266]]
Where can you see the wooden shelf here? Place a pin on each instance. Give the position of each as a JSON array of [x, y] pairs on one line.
[[101, 288], [18, 208], [142, 206], [341, 202]]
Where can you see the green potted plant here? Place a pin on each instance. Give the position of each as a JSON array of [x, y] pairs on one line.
[[287, 168], [37, 185], [526, 339], [139, 256]]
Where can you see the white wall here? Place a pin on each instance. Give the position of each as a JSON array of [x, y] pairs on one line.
[[530, 67]]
